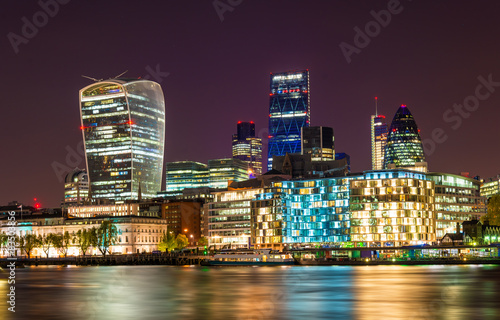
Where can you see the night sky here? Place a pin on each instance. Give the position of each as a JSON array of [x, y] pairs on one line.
[[429, 57]]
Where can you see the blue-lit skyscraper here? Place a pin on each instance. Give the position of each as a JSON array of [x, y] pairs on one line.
[[123, 127], [289, 111]]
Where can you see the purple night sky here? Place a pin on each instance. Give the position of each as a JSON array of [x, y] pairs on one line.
[[429, 57]]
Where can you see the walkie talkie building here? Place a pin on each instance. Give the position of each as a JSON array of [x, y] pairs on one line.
[[123, 127], [289, 111]]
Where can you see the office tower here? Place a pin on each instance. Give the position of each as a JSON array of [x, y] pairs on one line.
[[404, 147], [123, 127], [319, 142], [224, 170], [186, 174], [378, 139], [76, 188], [247, 147], [289, 111]]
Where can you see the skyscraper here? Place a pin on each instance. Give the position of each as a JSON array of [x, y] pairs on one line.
[[247, 147], [289, 111], [123, 126], [404, 147], [378, 138], [319, 142]]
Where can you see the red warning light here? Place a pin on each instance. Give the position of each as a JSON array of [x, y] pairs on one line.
[[376, 98], [251, 122], [82, 127], [239, 122]]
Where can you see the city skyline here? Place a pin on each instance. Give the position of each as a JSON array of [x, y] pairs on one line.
[[429, 74]]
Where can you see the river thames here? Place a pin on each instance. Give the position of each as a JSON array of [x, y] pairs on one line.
[[295, 292]]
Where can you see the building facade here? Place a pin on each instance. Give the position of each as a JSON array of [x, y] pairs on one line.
[[378, 129], [221, 171], [490, 188], [392, 208], [135, 234], [228, 218], [76, 188], [289, 111], [457, 199], [247, 147], [404, 148], [123, 128], [184, 217], [319, 142], [186, 174]]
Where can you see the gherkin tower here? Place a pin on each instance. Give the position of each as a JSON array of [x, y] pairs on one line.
[[404, 146]]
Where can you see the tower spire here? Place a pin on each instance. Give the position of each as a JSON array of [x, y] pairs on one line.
[[376, 110]]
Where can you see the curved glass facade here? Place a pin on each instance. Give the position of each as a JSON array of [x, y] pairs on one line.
[[123, 127], [404, 146]]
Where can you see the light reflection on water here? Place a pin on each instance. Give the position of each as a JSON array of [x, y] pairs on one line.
[[318, 292]]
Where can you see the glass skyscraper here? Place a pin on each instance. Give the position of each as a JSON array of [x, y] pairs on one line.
[[378, 140], [123, 127], [319, 142], [289, 111], [404, 147], [247, 147]]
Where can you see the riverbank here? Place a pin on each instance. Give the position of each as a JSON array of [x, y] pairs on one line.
[[178, 260]]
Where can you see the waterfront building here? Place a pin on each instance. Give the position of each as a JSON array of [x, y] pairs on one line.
[[457, 199], [316, 211], [123, 127], [247, 147], [478, 233], [392, 208], [184, 217], [186, 174], [105, 210], [267, 218], [76, 188], [135, 234], [319, 142], [404, 148], [490, 187], [227, 218], [222, 171], [289, 111], [378, 140]]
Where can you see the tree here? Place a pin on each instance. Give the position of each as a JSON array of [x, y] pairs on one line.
[[182, 241], [27, 243], [167, 242], [47, 241], [492, 215], [64, 243], [4, 238], [85, 239], [203, 241], [107, 234]]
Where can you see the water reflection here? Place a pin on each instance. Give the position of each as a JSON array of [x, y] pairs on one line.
[[337, 292]]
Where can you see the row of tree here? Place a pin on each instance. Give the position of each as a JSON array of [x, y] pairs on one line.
[[169, 241], [102, 238]]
